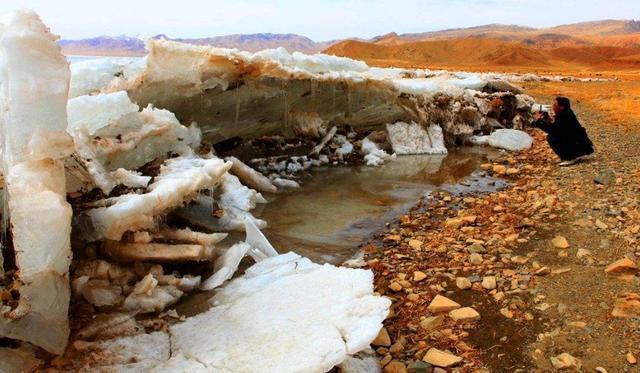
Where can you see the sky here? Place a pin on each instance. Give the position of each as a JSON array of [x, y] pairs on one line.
[[319, 20]]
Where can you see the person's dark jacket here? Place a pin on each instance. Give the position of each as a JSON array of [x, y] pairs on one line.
[[566, 136]]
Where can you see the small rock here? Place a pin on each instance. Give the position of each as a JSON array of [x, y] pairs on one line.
[[605, 177], [622, 265], [382, 339], [489, 282], [601, 370], [419, 276], [420, 367], [396, 348], [395, 367], [583, 253], [441, 304], [506, 313], [430, 323], [464, 314], [441, 358], [475, 259], [463, 283], [631, 359], [560, 242], [566, 361], [415, 244], [395, 286], [476, 248], [499, 169], [600, 224], [454, 223]]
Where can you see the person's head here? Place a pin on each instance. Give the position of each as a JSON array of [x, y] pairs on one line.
[[561, 104]]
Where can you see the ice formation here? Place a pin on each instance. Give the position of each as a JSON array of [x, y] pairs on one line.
[[96, 75], [374, 156], [294, 290], [35, 84], [507, 139], [411, 138], [231, 93]]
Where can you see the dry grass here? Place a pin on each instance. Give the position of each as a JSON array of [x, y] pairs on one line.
[[617, 101]]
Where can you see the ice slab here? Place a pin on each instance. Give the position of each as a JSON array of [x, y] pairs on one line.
[[411, 138], [508, 139], [318, 315]]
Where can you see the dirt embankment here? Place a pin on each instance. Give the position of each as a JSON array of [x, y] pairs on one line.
[[530, 260]]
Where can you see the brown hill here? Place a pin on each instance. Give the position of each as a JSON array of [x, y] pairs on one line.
[[484, 54]]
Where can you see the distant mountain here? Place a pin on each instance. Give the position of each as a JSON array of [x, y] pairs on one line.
[[131, 46]]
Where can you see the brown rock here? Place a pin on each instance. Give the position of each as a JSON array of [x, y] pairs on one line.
[[419, 276], [464, 314], [441, 304], [430, 323], [489, 282], [441, 358], [566, 361], [415, 244], [395, 286], [560, 242], [395, 367], [463, 283], [627, 305], [499, 169], [622, 265], [631, 359], [382, 339]]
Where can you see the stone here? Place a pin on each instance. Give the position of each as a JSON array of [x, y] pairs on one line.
[[419, 276], [464, 314], [600, 224], [583, 253], [395, 367], [441, 304], [506, 313], [631, 359], [627, 305], [454, 223], [382, 339], [395, 286], [475, 259], [441, 358], [601, 370], [396, 348], [499, 169], [489, 282], [622, 265], [420, 367], [566, 361], [605, 177], [463, 283], [476, 248], [431, 322], [560, 242], [415, 244]]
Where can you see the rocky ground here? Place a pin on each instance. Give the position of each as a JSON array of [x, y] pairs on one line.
[[536, 277]]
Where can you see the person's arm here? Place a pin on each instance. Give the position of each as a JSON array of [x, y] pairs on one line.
[[543, 122]]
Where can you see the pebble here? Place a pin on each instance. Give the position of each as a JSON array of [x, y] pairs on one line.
[[489, 282], [631, 359], [395, 367], [622, 265], [441, 358], [475, 259], [464, 314], [560, 242], [382, 339], [566, 361], [463, 283], [430, 323], [420, 367], [441, 304], [419, 276]]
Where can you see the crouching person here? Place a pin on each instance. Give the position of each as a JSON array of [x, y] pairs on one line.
[[565, 134]]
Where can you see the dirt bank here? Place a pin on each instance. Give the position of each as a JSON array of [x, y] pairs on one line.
[[545, 300]]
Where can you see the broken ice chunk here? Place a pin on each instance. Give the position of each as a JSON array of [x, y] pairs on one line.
[[331, 306], [251, 177], [156, 300], [158, 252], [178, 182], [226, 265], [411, 138]]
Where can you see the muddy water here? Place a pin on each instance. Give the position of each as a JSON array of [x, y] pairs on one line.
[[339, 207]]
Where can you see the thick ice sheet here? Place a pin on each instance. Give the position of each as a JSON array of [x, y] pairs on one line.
[[318, 314], [35, 84]]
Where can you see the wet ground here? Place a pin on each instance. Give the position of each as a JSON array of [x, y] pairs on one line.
[[340, 207]]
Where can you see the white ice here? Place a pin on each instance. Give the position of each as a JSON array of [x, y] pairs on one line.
[[507, 139], [412, 138]]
